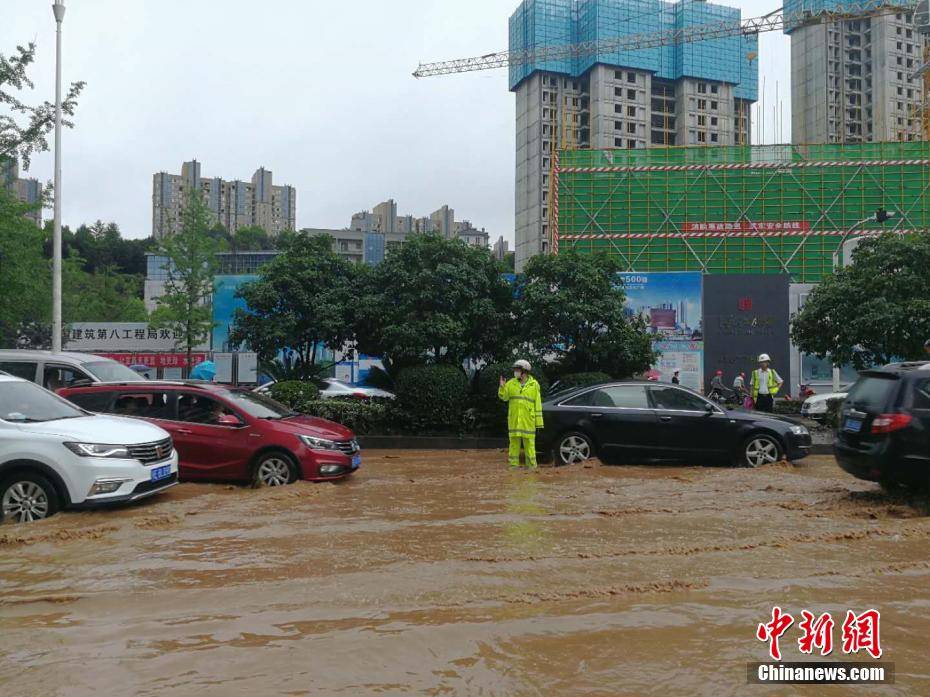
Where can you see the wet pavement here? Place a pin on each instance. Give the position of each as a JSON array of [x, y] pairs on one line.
[[444, 574]]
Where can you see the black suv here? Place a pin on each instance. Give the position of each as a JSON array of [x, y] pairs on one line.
[[884, 430]]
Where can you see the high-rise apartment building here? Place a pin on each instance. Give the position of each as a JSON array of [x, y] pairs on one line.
[[235, 204], [851, 79], [26, 190], [373, 233], [683, 94]]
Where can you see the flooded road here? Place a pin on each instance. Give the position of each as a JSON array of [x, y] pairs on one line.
[[443, 574]]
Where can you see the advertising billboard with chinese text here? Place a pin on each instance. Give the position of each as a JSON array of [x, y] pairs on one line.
[[670, 304]]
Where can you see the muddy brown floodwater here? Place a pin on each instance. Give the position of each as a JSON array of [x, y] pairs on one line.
[[443, 574]]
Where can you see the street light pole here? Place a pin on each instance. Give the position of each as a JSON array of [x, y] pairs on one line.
[[58, 8]]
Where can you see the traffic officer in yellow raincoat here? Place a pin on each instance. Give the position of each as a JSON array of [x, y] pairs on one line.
[[524, 413]]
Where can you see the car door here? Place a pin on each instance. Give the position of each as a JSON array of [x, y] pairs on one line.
[[212, 450], [56, 375], [620, 420], [690, 425]]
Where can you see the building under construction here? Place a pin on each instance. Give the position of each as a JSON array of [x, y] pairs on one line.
[[675, 94], [738, 209]]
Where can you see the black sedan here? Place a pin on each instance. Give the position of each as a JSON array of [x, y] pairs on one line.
[[645, 421]]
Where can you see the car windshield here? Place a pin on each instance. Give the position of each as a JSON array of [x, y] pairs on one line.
[[872, 392], [26, 402], [111, 371], [259, 405]]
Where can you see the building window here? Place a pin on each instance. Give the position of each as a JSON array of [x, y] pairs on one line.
[[713, 106], [618, 92], [702, 88], [618, 125], [631, 111], [631, 128], [618, 108], [714, 89], [702, 104], [618, 74], [618, 142], [631, 145], [701, 120], [702, 137], [631, 78], [713, 120], [713, 137], [631, 94]]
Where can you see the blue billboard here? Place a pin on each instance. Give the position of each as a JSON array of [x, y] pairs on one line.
[[225, 304], [671, 307]]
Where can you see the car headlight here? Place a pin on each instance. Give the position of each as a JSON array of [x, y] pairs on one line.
[[799, 430], [318, 443], [99, 450]]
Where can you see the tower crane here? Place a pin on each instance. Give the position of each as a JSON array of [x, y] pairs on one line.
[[777, 20]]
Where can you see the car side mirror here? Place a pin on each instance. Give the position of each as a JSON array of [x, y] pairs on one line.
[[229, 420], [709, 408]]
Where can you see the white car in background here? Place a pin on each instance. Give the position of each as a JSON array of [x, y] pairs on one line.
[[818, 406], [331, 388], [55, 455]]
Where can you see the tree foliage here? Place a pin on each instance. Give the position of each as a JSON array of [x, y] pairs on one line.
[[191, 264], [874, 311], [571, 307], [25, 276], [24, 128], [101, 247], [304, 300], [434, 300]]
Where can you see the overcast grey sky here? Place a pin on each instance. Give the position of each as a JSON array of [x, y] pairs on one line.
[[319, 92]]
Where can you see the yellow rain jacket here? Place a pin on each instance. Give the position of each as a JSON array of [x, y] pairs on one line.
[[524, 411]]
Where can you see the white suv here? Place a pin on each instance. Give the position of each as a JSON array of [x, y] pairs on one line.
[[54, 454]]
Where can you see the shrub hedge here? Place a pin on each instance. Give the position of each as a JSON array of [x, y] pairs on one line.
[[432, 398], [363, 418], [294, 393]]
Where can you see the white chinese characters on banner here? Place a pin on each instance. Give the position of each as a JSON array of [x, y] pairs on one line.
[[119, 337]]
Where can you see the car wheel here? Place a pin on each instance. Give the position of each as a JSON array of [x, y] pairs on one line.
[[760, 449], [26, 497], [274, 469], [573, 448]]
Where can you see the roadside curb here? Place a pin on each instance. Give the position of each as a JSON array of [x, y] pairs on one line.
[[475, 443]]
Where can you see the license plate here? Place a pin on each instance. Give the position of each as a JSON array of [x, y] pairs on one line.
[[853, 425], [356, 461], [160, 473]]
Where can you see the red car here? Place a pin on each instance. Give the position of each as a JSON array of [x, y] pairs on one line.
[[230, 434]]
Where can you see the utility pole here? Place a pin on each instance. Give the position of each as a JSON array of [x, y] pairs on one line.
[[58, 8]]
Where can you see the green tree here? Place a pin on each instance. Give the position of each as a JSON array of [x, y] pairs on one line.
[[25, 277], [571, 307], [304, 300], [104, 296], [434, 300], [251, 238], [21, 137], [874, 311], [191, 253]]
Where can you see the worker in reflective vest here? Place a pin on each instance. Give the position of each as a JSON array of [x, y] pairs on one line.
[[765, 384], [524, 413]]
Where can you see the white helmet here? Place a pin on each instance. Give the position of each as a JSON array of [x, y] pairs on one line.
[[764, 358], [523, 365]]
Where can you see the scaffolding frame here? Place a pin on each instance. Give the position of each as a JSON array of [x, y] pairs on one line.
[[736, 209]]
